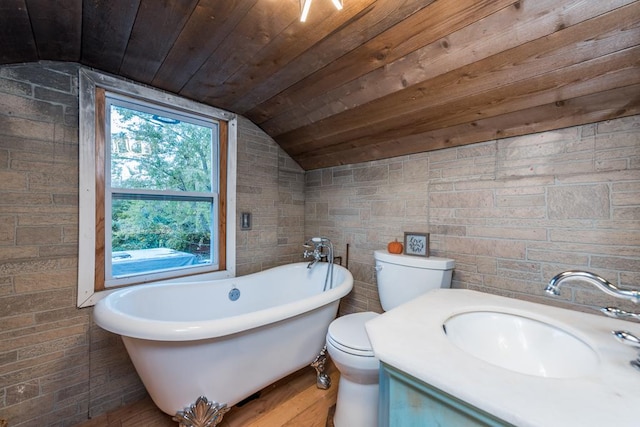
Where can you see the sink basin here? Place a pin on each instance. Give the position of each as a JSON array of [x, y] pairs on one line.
[[521, 344]]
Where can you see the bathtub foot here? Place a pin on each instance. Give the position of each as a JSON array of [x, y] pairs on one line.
[[323, 380], [203, 413]]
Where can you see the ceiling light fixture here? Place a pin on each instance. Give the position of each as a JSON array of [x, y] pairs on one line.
[[306, 4]]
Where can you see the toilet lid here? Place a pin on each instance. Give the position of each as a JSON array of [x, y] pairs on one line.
[[349, 334]]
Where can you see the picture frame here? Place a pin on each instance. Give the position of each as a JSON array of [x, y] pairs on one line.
[[416, 244]]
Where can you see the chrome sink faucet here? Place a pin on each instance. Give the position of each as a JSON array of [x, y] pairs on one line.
[[604, 285]]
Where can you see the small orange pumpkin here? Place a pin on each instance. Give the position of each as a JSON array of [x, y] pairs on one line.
[[395, 247]]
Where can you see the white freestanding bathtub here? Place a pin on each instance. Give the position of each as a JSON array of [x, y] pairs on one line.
[[224, 339]]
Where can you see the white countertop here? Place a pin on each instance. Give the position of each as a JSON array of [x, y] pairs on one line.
[[411, 339]]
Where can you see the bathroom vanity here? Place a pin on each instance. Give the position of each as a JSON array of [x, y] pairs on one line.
[[460, 357], [407, 401]]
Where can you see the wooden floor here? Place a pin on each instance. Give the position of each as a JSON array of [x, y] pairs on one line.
[[294, 401]]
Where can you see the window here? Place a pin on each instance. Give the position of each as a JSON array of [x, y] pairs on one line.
[[157, 187]]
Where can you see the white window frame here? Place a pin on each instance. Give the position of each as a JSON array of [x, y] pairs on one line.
[[92, 83], [110, 191]]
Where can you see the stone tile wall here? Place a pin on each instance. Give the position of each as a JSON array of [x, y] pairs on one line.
[[56, 367], [270, 187], [512, 213], [44, 339]]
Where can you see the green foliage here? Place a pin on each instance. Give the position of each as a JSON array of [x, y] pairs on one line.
[[149, 152]]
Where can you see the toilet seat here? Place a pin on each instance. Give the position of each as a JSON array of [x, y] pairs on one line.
[[348, 334]]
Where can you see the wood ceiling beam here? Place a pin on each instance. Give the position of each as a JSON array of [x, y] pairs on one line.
[[16, 38], [497, 33], [163, 21], [361, 27], [351, 83], [424, 27], [619, 102], [254, 32], [211, 23], [563, 49], [62, 18], [264, 68], [336, 41], [107, 27], [600, 75]]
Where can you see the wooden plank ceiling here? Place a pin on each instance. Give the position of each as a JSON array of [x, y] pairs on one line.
[[380, 78]]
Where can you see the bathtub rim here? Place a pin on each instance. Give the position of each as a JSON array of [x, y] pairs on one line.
[[109, 317]]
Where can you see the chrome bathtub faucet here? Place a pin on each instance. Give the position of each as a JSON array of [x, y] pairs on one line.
[[318, 244], [604, 285], [316, 253]]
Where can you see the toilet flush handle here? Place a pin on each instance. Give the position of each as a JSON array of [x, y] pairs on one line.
[[377, 268]]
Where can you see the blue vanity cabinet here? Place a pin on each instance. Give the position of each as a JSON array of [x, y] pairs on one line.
[[408, 402]]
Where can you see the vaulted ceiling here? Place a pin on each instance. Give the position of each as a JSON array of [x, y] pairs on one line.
[[379, 78]]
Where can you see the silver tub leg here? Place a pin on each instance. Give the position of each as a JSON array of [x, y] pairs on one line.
[[203, 413], [323, 381]]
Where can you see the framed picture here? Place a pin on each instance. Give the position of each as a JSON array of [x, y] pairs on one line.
[[416, 244]]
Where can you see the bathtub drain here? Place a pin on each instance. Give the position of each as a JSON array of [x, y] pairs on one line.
[[234, 294]]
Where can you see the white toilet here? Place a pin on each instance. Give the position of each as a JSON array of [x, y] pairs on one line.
[[400, 278]]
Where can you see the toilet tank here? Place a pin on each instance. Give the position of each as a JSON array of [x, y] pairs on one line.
[[401, 278]]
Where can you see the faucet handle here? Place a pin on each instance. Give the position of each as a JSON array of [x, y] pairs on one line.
[[627, 338], [618, 313]]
